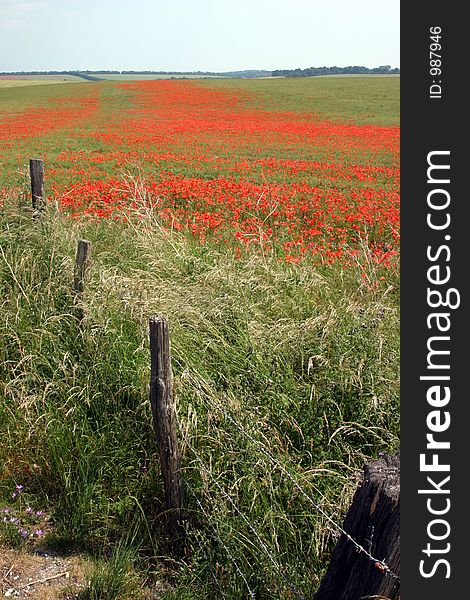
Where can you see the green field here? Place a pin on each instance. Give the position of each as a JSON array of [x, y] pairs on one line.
[[16, 83], [22, 94], [360, 99], [286, 372], [366, 99]]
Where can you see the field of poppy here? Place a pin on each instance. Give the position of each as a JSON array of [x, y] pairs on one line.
[[262, 218], [216, 164]]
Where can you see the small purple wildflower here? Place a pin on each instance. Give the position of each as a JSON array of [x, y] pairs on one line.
[[40, 513], [29, 510], [17, 491], [5, 510], [14, 520], [39, 532], [23, 532]]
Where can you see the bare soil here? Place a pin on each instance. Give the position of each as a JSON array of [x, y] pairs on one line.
[[40, 575]]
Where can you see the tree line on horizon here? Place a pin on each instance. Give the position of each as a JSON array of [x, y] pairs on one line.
[[351, 70], [308, 72]]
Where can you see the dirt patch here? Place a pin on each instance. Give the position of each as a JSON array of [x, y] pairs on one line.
[[40, 575]]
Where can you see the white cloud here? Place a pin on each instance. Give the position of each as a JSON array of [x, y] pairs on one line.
[[17, 15], [26, 7]]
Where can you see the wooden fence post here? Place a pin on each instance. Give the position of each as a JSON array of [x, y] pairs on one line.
[[373, 521], [83, 250], [36, 172], [164, 422]]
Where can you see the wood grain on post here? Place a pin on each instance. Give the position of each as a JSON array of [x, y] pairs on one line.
[[83, 250], [373, 521], [164, 422], [36, 172]]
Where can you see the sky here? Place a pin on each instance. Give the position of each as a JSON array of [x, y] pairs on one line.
[[197, 35]]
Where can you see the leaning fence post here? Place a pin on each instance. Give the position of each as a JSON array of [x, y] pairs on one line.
[[373, 522], [83, 250], [36, 172], [164, 422]]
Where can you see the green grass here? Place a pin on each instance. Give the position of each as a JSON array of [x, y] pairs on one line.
[[114, 577], [363, 100], [15, 83], [300, 363], [20, 96]]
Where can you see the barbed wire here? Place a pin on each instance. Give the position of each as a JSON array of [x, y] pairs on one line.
[[378, 563], [251, 527], [229, 554]]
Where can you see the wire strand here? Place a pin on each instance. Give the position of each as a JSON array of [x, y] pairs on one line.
[[379, 563], [263, 546], [229, 554]]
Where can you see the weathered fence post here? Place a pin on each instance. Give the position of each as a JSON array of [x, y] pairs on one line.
[[83, 250], [164, 422], [36, 172], [373, 521]]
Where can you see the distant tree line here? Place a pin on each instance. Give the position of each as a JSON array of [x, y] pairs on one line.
[[355, 70], [82, 74], [309, 72], [246, 73], [162, 72], [95, 75]]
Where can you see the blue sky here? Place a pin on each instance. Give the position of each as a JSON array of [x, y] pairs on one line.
[[192, 35]]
